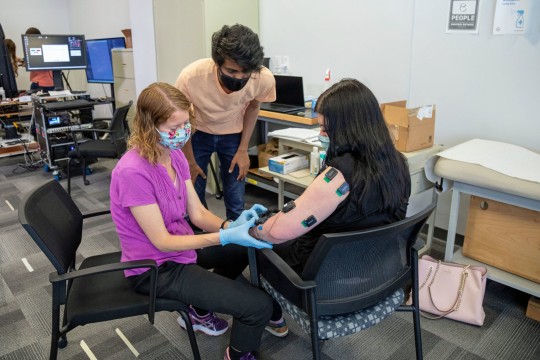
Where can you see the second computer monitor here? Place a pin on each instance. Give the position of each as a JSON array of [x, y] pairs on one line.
[[98, 53]]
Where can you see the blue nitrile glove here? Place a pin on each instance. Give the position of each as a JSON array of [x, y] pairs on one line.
[[240, 236], [247, 215], [259, 209]]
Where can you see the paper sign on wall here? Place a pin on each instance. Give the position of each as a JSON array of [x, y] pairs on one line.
[[463, 16], [511, 17]]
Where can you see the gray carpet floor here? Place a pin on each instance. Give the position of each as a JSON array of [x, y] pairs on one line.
[[25, 301]]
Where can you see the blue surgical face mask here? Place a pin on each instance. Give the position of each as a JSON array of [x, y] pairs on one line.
[[175, 140], [325, 141]]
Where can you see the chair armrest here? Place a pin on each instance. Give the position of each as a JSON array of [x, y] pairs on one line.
[[100, 269], [418, 245], [97, 213], [292, 277]]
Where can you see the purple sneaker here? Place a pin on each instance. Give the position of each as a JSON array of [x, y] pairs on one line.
[[248, 356], [209, 324]]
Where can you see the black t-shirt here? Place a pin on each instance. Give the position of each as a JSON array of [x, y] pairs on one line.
[[350, 215]]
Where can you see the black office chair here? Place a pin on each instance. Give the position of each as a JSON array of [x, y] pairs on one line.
[[351, 281], [113, 147], [97, 290]]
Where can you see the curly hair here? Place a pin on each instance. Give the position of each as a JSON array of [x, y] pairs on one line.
[[239, 44], [155, 105]]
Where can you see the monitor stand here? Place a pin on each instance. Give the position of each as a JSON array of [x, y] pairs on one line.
[[58, 80]]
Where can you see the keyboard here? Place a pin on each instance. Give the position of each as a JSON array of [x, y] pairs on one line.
[[68, 128], [16, 142], [282, 108], [69, 104]]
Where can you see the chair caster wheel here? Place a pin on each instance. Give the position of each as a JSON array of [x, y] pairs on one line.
[[86, 182], [62, 342]]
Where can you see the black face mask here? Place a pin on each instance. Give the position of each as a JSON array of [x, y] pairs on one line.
[[231, 83]]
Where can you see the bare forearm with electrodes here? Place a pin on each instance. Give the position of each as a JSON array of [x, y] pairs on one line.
[[297, 217]]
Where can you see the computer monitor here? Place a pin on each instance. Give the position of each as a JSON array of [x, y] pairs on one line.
[[7, 75], [99, 59], [54, 52]]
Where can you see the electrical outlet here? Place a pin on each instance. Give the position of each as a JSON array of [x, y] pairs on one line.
[[285, 61], [277, 64]]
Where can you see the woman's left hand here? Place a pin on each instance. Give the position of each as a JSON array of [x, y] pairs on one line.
[[244, 217]]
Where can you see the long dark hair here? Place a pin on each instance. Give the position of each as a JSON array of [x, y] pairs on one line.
[[354, 124]]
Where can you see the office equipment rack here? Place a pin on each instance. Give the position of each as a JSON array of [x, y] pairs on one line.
[[55, 119]]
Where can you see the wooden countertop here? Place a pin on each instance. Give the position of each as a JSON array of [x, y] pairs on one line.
[[309, 117]]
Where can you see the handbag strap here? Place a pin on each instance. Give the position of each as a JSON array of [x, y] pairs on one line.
[[459, 297]]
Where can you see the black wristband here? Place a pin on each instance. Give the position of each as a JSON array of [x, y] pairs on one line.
[[223, 223]]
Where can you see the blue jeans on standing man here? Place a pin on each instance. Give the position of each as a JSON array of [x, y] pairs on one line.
[[204, 145]]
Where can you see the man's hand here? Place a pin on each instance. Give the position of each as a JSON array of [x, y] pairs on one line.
[[195, 171], [241, 159]]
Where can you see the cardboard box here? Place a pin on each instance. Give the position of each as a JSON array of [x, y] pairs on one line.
[[411, 129], [289, 162], [504, 236], [265, 152]]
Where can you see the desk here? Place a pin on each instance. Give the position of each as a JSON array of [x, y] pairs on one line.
[[308, 120], [12, 113], [419, 182]]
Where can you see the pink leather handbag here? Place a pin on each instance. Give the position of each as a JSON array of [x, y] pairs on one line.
[[454, 291]]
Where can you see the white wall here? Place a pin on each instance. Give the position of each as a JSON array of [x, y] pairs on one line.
[[365, 39], [144, 44], [174, 33], [49, 16], [219, 13], [484, 86], [181, 44]]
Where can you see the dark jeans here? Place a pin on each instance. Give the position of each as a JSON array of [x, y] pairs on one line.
[[35, 86], [216, 291], [204, 145]]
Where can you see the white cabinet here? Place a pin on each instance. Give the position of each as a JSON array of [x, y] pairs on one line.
[[124, 79]]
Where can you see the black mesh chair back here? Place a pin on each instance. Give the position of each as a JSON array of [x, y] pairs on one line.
[[112, 147], [119, 127], [97, 289], [54, 222], [348, 274], [359, 269]]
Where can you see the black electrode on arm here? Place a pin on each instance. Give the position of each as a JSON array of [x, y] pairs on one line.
[[310, 221], [288, 206], [330, 174], [343, 189]]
